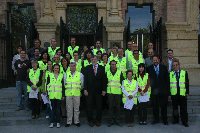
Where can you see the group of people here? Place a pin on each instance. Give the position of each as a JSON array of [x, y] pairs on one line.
[[115, 77]]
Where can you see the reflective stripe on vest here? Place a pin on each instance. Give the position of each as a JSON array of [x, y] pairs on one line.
[[34, 77], [173, 83], [130, 88], [114, 85], [55, 86], [73, 84]]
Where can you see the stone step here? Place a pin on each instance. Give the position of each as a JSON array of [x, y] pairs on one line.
[[193, 110], [10, 121], [13, 113]]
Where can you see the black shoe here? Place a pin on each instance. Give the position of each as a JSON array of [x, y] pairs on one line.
[[91, 124], [110, 124], [165, 123], [155, 122], [144, 123], [78, 124], [175, 122], [98, 124], [140, 123], [33, 117], [67, 125], [118, 124], [186, 124]]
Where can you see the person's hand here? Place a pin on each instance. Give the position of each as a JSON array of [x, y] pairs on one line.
[[130, 96], [103, 93], [85, 92]]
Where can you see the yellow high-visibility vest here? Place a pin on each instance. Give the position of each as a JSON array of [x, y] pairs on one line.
[[55, 86], [130, 88], [173, 83], [73, 84], [114, 85]]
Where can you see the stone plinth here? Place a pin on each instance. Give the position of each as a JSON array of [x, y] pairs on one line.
[[46, 31]]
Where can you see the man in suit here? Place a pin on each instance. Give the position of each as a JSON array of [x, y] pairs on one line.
[[94, 89], [168, 61], [159, 78]]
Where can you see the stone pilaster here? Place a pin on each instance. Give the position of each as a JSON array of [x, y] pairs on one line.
[[182, 35], [47, 23], [115, 23]]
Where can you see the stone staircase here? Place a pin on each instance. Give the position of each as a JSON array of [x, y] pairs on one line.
[[9, 116]]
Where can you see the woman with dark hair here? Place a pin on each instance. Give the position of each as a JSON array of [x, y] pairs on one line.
[[64, 65], [87, 59], [143, 93], [55, 89], [68, 56], [44, 58], [105, 63]]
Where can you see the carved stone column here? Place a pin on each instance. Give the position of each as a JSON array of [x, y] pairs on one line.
[[115, 24], [47, 25]]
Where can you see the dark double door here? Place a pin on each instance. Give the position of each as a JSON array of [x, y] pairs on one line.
[[82, 22]]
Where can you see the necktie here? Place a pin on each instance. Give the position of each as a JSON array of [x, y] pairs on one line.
[[157, 71], [95, 70], [177, 76]]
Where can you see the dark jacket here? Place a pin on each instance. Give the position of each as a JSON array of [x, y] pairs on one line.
[[22, 73], [94, 84], [160, 83]]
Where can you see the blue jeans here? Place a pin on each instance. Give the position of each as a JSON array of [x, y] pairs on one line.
[[22, 97]]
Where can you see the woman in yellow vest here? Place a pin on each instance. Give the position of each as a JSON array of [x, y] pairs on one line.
[[43, 66], [48, 71], [129, 99], [143, 93], [64, 65], [34, 81], [55, 90], [64, 68]]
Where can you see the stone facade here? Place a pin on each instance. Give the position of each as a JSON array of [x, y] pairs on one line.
[[180, 24]]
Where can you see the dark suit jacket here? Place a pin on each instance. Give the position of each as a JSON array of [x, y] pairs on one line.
[[94, 84], [160, 83], [166, 63]]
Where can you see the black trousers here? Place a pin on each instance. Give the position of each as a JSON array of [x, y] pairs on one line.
[[129, 115], [94, 102], [35, 106], [114, 102], [182, 102], [159, 101], [55, 112], [142, 111]]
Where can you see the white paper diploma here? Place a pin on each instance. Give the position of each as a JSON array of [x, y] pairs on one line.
[[129, 104], [33, 94], [44, 98], [144, 98]]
